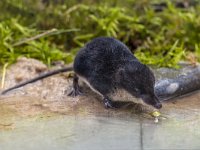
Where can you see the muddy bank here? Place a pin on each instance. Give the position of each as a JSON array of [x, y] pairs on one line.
[[49, 97]]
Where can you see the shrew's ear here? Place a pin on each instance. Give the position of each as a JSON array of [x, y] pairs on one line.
[[120, 73]]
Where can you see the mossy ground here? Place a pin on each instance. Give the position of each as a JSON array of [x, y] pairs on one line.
[[159, 32]]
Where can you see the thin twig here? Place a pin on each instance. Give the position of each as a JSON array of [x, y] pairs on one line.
[[49, 32], [34, 37]]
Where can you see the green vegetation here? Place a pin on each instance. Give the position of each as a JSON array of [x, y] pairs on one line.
[[51, 30]]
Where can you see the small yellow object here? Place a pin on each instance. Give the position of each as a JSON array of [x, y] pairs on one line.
[[155, 114]]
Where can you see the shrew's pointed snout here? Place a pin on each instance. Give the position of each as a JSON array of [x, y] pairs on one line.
[[152, 100], [158, 105]]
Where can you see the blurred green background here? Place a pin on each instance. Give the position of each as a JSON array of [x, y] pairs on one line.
[[159, 32]]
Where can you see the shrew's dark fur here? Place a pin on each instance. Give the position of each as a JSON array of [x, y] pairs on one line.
[[106, 64]]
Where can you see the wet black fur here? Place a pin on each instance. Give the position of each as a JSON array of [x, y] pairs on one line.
[[107, 64]]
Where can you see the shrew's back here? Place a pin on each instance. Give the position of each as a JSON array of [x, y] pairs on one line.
[[102, 55]]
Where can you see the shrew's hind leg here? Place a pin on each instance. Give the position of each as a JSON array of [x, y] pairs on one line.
[[76, 88]]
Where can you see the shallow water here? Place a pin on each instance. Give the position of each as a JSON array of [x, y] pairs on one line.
[[96, 133]]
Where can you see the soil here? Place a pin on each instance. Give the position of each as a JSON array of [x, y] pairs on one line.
[[48, 97]]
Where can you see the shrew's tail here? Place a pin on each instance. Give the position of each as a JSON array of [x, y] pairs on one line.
[[42, 76]]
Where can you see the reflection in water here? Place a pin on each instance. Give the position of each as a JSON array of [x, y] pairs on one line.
[[89, 133]]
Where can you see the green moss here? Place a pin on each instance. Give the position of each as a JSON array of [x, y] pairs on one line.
[[17, 40], [157, 38]]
